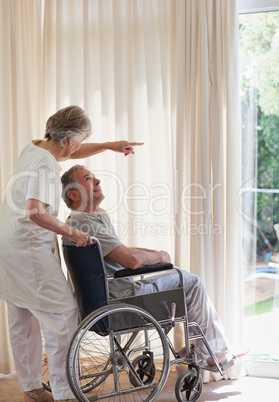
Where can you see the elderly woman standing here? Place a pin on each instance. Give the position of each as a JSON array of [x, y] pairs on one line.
[[31, 280]]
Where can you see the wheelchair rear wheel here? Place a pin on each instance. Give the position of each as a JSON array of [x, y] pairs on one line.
[[188, 386], [126, 354]]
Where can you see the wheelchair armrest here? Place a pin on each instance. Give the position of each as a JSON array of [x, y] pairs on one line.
[[148, 269]]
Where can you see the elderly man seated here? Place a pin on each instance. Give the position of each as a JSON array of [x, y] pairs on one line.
[[83, 194]]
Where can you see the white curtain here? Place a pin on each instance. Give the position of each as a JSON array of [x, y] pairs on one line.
[[159, 71], [212, 117]]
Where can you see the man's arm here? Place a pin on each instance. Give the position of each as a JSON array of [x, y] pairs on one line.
[[133, 258]]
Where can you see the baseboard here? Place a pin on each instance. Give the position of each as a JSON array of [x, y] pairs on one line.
[[262, 367]]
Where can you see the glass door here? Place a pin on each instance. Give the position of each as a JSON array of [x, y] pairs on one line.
[[259, 63]]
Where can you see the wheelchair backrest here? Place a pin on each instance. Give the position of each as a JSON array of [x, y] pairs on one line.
[[86, 269]]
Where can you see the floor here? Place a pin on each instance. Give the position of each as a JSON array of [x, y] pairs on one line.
[[246, 389]]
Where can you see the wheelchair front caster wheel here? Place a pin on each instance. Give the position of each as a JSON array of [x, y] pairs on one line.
[[188, 386], [145, 369]]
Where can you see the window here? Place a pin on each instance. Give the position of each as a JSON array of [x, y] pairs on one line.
[[259, 60]]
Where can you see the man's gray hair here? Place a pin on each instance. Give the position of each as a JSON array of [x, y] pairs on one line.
[[70, 183], [68, 123]]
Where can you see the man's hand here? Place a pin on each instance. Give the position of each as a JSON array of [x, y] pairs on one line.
[[165, 256]]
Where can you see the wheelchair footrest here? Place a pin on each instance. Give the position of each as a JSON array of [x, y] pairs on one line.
[[224, 364], [207, 367]]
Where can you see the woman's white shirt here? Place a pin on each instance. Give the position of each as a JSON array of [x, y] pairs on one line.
[[30, 275]]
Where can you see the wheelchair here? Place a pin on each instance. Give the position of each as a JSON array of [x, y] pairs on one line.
[[121, 350]]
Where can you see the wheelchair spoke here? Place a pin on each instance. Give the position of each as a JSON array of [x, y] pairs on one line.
[[128, 360]]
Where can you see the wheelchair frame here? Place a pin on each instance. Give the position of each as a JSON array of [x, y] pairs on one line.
[[105, 323]]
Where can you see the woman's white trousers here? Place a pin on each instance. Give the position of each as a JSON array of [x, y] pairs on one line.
[[26, 341]]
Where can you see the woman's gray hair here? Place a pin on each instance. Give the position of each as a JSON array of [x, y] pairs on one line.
[[68, 123], [70, 183]]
